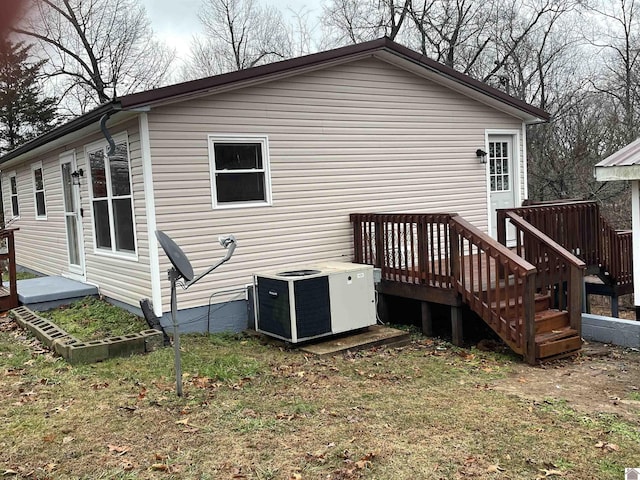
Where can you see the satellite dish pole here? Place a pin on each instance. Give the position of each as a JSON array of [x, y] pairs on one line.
[[181, 268], [174, 276]]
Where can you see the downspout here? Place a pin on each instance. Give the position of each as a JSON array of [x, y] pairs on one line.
[[107, 135]]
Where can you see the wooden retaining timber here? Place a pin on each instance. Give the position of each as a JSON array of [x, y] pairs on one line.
[[442, 258]]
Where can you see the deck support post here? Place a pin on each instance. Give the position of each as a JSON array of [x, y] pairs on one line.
[[615, 310], [456, 326], [427, 319]]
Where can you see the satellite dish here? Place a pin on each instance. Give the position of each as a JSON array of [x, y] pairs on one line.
[[177, 257]]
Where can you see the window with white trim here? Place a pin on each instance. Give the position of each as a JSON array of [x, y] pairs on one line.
[[38, 191], [239, 171], [13, 185], [111, 198]]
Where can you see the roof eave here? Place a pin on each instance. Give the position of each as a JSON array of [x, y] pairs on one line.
[[616, 172], [59, 132]]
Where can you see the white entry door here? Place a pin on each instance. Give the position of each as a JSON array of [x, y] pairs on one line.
[[503, 182], [72, 216]]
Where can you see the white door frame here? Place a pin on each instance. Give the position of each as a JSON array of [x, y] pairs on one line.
[[518, 183], [78, 272]]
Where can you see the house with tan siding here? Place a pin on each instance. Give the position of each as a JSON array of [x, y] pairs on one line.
[[278, 155]]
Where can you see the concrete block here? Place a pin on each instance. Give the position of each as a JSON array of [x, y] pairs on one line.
[[89, 352], [616, 331], [61, 345], [125, 345], [153, 340]]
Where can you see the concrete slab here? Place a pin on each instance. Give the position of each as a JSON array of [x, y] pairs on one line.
[[47, 290], [374, 336]]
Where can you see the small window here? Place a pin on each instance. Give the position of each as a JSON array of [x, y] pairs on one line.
[[111, 199], [240, 171], [13, 182], [38, 192]]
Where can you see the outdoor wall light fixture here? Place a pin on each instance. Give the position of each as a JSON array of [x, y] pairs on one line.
[[482, 155], [75, 176]]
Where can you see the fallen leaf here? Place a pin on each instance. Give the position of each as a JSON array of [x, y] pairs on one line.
[[9, 472], [160, 467], [295, 476], [607, 446], [118, 450], [127, 466], [551, 473], [495, 469], [160, 457], [66, 440]]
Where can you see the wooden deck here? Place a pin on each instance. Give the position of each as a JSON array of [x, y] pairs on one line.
[[8, 289], [530, 295]]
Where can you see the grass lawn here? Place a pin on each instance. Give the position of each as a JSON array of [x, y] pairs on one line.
[[256, 411], [24, 275], [93, 319]]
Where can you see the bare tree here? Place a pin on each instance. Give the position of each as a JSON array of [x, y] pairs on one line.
[[452, 31], [354, 21], [238, 34], [617, 34], [97, 49]]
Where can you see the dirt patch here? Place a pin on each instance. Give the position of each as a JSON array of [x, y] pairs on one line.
[[601, 379]]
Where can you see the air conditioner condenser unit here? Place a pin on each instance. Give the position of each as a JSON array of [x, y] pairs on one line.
[[314, 301]]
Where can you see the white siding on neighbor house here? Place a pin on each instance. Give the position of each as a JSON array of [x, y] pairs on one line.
[[41, 245], [359, 137]]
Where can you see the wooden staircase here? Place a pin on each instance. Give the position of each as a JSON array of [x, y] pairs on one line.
[[530, 295], [554, 337]]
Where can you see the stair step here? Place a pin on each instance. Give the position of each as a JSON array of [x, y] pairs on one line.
[[561, 346], [553, 335], [549, 320], [541, 304]]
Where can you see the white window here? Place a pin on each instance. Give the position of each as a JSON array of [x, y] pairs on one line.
[[38, 191], [13, 185], [499, 175], [111, 198], [239, 171]]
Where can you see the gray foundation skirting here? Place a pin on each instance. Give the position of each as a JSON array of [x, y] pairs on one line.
[[616, 331]]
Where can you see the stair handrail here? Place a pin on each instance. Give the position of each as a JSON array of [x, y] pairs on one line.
[[507, 279], [536, 248], [590, 237]]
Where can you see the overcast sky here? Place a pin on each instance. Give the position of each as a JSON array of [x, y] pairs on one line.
[[175, 21]]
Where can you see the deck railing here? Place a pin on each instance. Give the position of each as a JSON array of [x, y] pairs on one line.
[[496, 283], [617, 254], [580, 228], [560, 273], [8, 293], [411, 248]]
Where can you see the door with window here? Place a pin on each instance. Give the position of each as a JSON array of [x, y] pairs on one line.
[[503, 182], [72, 216]]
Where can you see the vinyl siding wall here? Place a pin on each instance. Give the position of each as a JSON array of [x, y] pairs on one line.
[[359, 137], [41, 245]]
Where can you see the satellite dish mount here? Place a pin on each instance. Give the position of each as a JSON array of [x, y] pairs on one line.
[[181, 273]]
